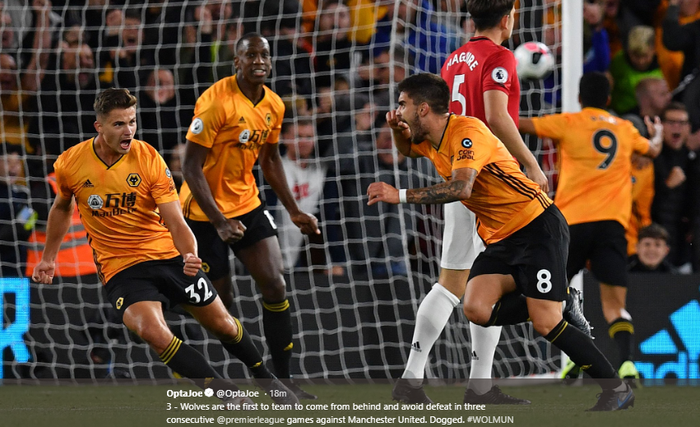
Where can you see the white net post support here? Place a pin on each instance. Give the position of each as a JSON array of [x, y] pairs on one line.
[[572, 70], [572, 54]]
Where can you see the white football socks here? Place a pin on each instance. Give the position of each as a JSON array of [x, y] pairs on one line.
[[431, 318], [483, 342]]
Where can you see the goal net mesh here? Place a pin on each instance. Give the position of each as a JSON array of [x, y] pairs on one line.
[[354, 290]]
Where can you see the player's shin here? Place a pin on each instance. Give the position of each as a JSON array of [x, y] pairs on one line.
[[186, 361], [584, 353], [244, 349], [433, 313], [483, 345], [622, 332], [277, 324]]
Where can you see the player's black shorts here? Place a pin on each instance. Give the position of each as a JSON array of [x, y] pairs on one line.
[[214, 251], [605, 245], [535, 256], [159, 280]]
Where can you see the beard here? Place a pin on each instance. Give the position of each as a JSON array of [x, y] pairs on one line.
[[418, 133]]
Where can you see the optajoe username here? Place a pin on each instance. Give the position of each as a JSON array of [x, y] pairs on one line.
[[208, 393]]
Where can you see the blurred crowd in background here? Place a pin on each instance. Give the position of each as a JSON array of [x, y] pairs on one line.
[[334, 63]]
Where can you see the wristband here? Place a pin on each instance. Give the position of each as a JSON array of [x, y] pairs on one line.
[[402, 196]]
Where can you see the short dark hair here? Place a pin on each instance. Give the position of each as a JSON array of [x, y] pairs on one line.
[[131, 13], [653, 231], [246, 37], [594, 90], [113, 98], [322, 4], [674, 106], [8, 148], [292, 123], [488, 13], [428, 88]]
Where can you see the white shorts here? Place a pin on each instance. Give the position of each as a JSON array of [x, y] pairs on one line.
[[460, 241]]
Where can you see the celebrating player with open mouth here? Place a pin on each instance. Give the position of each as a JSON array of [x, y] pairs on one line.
[[146, 255], [522, 272]]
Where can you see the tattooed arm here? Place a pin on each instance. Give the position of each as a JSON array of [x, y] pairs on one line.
[[458, 188]]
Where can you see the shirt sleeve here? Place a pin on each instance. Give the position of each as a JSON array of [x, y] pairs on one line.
[[162, 188], [209, 118], [499, 72], [553, 126], [63, 189], [276, 127], [472, 148]]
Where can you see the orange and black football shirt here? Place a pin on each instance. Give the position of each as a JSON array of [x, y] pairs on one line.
[[503, 199], [117, 204], [595, 169], [234, 129]]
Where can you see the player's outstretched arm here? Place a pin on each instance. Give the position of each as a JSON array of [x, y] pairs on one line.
[[503, 126], [271, 165], [229, 230], [458, 188], [184, 239], [526, 125], [34, 73], [401, 134], [56, 228]]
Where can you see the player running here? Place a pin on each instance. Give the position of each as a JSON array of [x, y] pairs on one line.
[[522, 272], [482, 79], [595, 196], [146, 255], [237, 122]]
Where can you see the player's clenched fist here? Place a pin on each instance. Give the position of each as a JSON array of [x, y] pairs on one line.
[[44, 272], [192, 264], [382, 192], [231, 230], [307, 223]]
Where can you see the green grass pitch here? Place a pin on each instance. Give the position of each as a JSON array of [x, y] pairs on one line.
[[553, 405]]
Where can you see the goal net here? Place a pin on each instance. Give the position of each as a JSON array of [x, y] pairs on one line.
[[354, 290]]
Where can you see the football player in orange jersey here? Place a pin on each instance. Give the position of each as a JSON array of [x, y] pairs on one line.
[[595, 195], [146, 255], [522, 271], [484, 84], [237, 122]]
